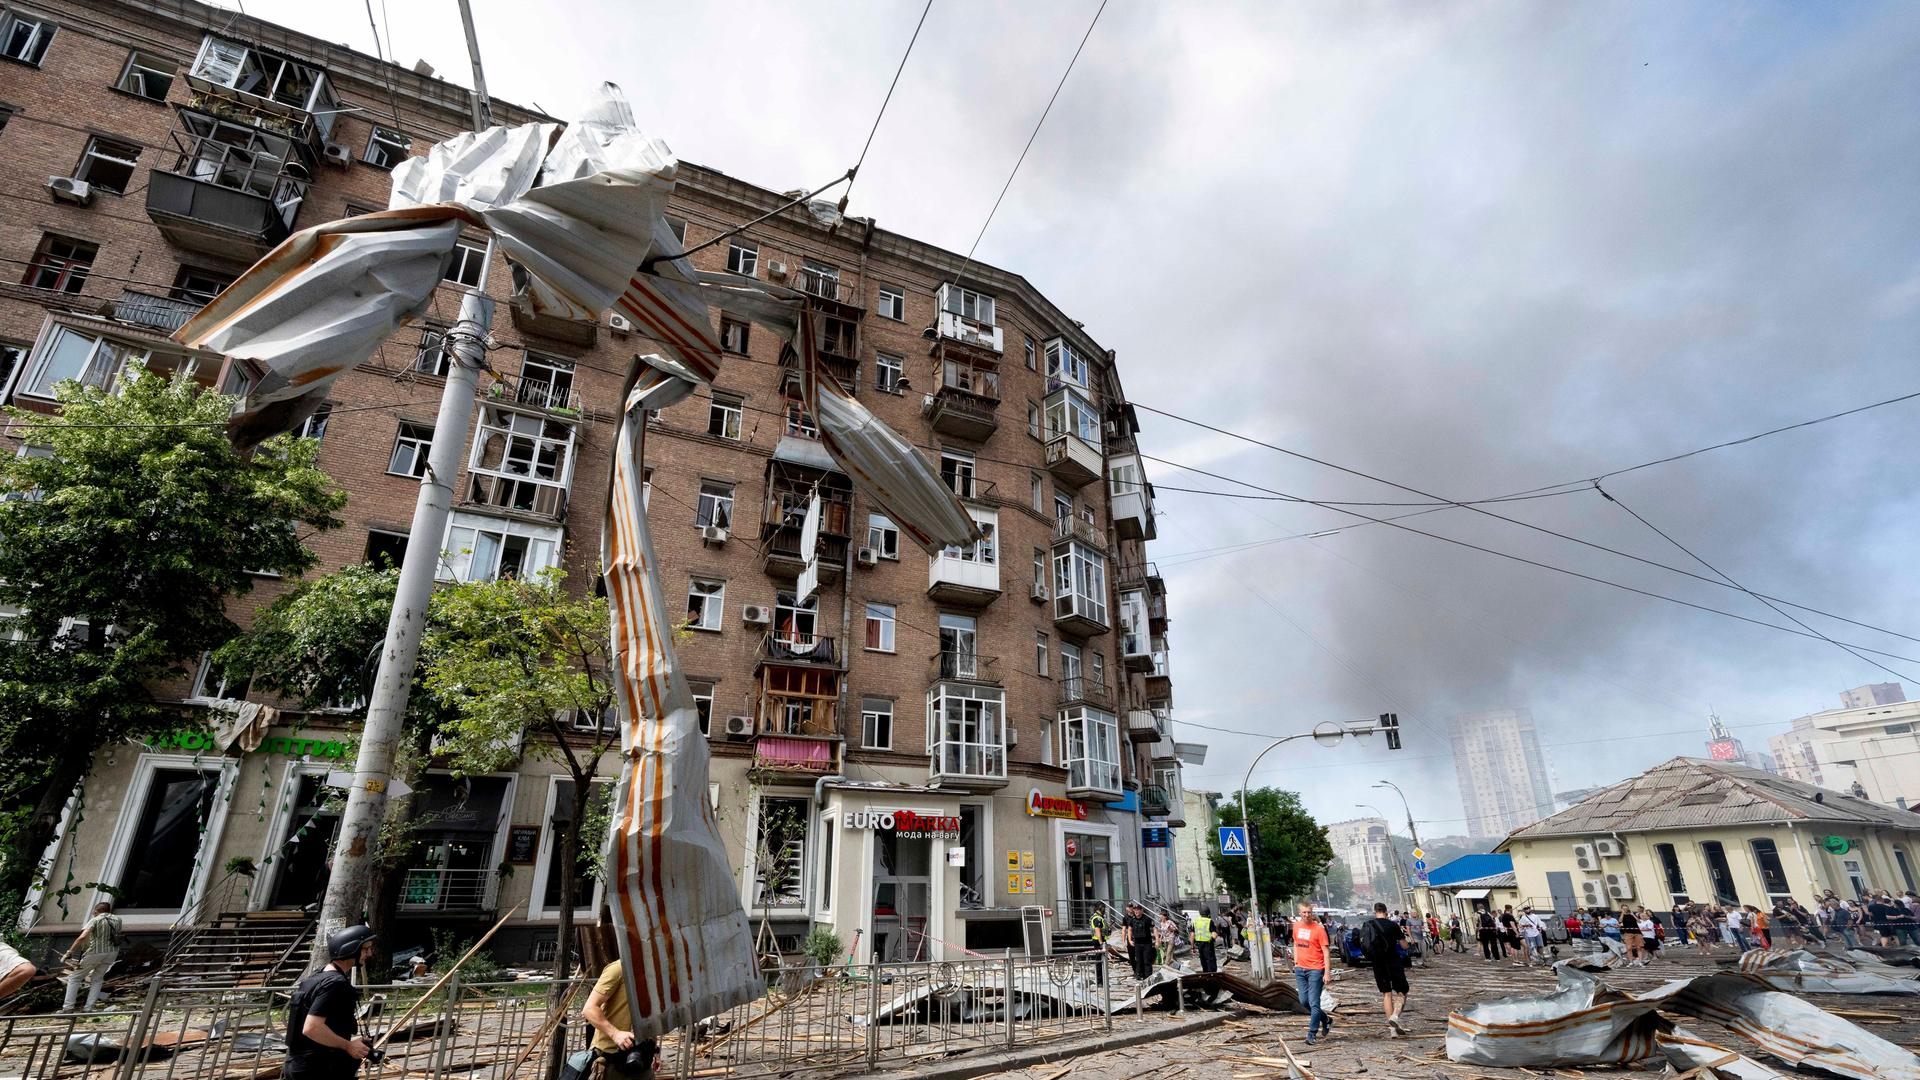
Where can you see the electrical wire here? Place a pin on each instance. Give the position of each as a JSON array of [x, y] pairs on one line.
[[875, 129], [1776, 608], [1030, 138]]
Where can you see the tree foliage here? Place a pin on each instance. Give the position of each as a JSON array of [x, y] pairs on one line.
[[523, 669], [1290, 849]]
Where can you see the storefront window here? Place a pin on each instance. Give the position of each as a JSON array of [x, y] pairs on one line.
[[584, 881], [165, 846], [302, 858], [451, 866], [780, 852]]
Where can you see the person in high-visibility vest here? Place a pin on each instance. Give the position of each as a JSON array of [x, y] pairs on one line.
[[1098, 926], [1200, 936]]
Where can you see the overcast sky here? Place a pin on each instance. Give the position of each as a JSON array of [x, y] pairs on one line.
[[1471, 248]]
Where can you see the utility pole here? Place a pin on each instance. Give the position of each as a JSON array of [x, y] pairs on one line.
[[1412, 832], [1399, 870], [356, 848]]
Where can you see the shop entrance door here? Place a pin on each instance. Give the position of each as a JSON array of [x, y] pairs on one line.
[[300, 875], [902, 898], [1089, 879]]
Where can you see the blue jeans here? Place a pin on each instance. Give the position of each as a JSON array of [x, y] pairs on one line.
[[1307, 982], [1852, 939]]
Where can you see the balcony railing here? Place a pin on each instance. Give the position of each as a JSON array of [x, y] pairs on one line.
[[966, 331], [428, 888], [1155, 800], [162, 313], [1079, 689], [791, 648], [546, 395], [542, 500], [811, 754], [1074, 528], [823, 286], [964, 666]]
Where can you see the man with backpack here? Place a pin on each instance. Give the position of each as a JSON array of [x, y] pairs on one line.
[[101, 940], [1381, 939]]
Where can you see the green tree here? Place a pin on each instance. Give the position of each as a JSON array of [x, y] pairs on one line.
[[522, 668], [1337, 884], [130, 521], [1289, 853], [318, 646]]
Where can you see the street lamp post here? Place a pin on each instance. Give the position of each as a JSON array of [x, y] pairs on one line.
[[1412, 832], [1326, 734], [1399, 869]]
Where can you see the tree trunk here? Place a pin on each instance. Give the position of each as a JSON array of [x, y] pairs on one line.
[[19, 870], [563, 955]]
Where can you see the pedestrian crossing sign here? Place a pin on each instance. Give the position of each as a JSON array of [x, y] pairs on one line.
[[1233, 840]]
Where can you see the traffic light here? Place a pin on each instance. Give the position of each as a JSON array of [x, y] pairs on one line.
[[1390, 723]]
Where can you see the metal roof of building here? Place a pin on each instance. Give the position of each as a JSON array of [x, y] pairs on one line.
[[1469, 868], [1695, 792], [1508, 880]]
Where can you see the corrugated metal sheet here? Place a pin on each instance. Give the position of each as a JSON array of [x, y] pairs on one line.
[[1694, 793], [1469, 868]]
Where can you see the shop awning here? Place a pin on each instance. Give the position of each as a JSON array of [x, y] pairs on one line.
[[1472, 894]]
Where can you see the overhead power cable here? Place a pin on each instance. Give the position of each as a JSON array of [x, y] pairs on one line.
[[1778, 609], [968, 261]]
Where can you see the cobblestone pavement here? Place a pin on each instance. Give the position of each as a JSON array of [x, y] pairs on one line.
[[1360, 1044]]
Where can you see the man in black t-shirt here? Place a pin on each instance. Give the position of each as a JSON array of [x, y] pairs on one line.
[[323, 1040], [1380, 939], [1138, 928]]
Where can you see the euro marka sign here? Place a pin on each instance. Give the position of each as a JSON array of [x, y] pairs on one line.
[[1039, 805], [905, 824]]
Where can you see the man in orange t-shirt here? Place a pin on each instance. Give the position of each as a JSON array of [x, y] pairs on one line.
[[1310, 969]]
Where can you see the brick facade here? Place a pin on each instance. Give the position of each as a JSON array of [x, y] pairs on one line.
[[55, 107]]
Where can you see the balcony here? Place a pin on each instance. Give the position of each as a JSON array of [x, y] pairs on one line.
[[783, 527], [1073, 461], [549, 396], [225, 200], [1143, 727], [800, 755], [162, 313], [965, 402], [1131, 498], [535, 314], [959, 665], [246, 84], [795, 649], [968, 576], [1091, 737], [1085, 690], [1159, 682], [1136, 646], [827, 293], [431, 890], [844, 370], [1155, 801], [975, 335], [966, 733], [521, 462], [1079, 585]]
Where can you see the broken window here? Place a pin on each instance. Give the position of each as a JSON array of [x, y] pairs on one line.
[[61, 264], [147, 76], [107, 165]]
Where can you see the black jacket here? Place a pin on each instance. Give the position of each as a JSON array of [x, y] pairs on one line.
[[331, 996]]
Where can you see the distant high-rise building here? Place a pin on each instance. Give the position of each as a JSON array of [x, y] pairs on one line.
[[1365, 847], [1880, 693], [1503, 776], [1722, 746], [1872, 751]]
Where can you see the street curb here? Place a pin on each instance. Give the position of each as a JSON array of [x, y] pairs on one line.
[[965, 1068]]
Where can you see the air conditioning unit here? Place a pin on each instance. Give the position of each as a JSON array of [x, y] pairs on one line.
[[755, 614], [620, 324], [713, 534], [1608, 849], [1620, 886], [776, 269], [739, 727], [338, 154], [1039, 592], [1593, 893], [1584, 858], [68, 189], [1013, 736], [866, 557]]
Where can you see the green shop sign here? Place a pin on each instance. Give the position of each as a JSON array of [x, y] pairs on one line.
[[1836, 845], [277, 744]]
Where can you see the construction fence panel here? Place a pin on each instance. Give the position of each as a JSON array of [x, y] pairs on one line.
[[848, 1018]]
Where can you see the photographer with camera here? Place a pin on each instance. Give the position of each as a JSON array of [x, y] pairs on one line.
[[621, 1056], [323, 1040]]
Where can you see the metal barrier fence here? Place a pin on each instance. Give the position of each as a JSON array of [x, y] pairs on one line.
[[852, 1018]]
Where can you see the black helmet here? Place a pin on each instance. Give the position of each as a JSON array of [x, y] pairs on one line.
[[345, 944]]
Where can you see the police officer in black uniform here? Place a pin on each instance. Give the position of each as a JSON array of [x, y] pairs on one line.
[[322, 1031]]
